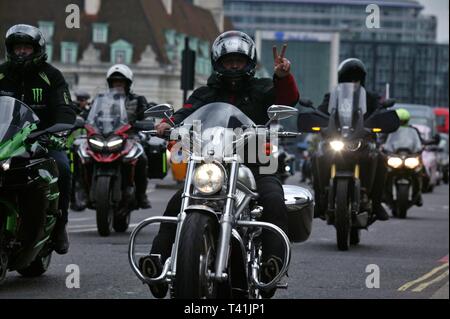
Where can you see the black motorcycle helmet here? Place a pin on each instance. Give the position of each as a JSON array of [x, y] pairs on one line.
[[82, 95], [352, 70], [234, 42], [25, 34]]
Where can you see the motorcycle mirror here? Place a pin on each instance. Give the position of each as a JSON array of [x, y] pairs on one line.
[[160, 111], [388, 103], [280, 112]]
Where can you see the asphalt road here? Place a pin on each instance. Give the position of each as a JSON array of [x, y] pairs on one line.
[[409, 256]]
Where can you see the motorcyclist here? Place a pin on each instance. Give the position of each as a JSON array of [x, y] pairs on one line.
[[120, 77], [27, 77], [351, 70], [234, 60], [405, 116], [82, 105]]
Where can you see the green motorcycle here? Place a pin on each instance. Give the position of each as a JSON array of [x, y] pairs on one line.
[[28, 190]]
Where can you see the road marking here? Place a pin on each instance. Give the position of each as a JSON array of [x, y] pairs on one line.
[[425, 277], [88, 228], [80, 219], [435, 280]]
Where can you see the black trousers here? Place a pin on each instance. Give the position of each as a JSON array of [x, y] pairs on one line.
[[64, 182], [140, 174], [271, 198]]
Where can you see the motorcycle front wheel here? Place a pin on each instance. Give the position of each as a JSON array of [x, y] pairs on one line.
[[342, 219], [105, 209], [402, 201], [196, 258]]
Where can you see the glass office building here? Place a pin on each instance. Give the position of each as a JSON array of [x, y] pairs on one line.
[[402, 52], [399, 20]]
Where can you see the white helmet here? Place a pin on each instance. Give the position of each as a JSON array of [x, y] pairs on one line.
[[119, 71]]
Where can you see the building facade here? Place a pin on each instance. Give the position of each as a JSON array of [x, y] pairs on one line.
[[149, 36]]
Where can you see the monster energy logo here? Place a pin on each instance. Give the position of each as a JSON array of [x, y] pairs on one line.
[[37, 95]]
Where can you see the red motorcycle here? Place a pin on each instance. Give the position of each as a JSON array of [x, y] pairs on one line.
[[108, 157]]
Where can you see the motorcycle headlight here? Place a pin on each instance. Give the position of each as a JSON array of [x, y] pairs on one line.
[[96, 143], [114, 143], [395, 162], [337, 146], [208, 179], [412, 162], [5, 165]]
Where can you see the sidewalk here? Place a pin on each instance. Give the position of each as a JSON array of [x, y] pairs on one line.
[[442, 293]]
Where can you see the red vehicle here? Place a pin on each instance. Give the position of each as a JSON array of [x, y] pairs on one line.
[[442, 119], [108, 160]]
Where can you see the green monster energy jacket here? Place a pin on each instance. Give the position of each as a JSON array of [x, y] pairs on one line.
[[42, 88]]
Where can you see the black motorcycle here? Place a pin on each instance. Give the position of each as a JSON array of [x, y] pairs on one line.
[[348, 148], [403, 187]]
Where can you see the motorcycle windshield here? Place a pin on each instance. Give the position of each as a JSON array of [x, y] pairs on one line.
[[108, 112], [216, 122], [346, 100], [405, 138], [14, 116]]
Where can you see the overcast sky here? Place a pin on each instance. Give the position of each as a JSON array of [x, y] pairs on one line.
[[440, 9]]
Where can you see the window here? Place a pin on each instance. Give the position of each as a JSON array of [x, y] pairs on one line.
[[100, 32], [121, 52], [49, 51], [47, 28], [69, 52]]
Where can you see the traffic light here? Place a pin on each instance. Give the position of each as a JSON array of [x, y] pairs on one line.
[[187, 68]]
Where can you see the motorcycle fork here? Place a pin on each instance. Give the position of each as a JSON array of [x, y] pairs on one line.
[[226, 225], [355, 191], [181, 216]]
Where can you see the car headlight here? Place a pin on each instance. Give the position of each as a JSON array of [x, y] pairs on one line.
[[96, 143], [395, 162], [208, 179], [412, 162], [337, 145], [114, 143]]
